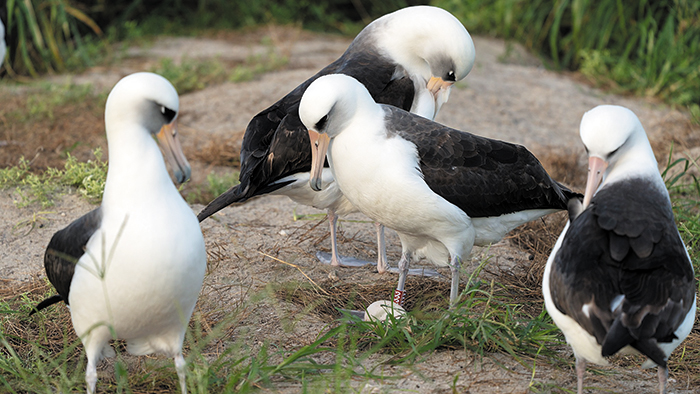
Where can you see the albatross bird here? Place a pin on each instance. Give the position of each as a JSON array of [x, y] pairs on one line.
[[619, 278], [3, 46], [409, 59], [442, 190], [134, 266]]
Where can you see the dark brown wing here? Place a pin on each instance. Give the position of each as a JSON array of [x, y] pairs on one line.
[[276, 143], [625, 244], [64, 250], [482, 176]]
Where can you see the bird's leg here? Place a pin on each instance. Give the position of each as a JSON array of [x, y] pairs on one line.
[[94, 343], [91, 375], [180, 367], [580, 370], [333, 220], [335, 259], [454, 288], [399, 293], [663, 379], [382, 265]]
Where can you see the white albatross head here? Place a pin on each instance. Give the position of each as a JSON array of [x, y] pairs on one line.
[[616, 143], [147, 101], [327, 105], [431, 45]]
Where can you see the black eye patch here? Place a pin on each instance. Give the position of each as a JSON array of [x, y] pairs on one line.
[[322, 123], [168, 114], [451, 76]]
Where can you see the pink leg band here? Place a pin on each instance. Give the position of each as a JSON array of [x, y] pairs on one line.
[[399, 296]]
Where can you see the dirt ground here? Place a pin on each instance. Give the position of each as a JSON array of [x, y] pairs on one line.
[[509, 95]]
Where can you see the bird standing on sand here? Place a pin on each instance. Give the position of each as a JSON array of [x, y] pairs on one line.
[[442, 190], [619, 278], [133, 268]]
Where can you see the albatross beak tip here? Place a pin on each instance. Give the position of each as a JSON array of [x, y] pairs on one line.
[[315, 184]]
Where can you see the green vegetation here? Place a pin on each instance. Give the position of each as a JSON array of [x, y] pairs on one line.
[[485, 320], [45, 36], [41, 353], [650, 48], [681, 176], [256, 65], [192, 74], [214, 186], [43, 101], [41, 188]]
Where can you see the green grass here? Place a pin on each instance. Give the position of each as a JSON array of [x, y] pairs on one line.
[[195, 74], [214, 186], [45, 98], [45, 37], [684, 187], [485, 320], [342, 357], [191, 74], [88, 178]]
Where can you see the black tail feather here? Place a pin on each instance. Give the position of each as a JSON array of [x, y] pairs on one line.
[[231, 196], [46, 303], [235, 195], [618, 336], [651, 349]]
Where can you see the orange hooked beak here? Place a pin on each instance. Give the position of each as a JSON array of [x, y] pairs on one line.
[[440, 90], [596, 169], [319, 147], [168, 140]]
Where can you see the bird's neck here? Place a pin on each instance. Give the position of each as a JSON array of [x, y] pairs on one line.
[[136, 166]]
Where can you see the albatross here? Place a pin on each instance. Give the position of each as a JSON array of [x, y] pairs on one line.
[[133, 267], [442, 190], [409, 58], [619, 278], [3, 46]]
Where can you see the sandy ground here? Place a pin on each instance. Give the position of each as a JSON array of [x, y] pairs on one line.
[[509, 95]]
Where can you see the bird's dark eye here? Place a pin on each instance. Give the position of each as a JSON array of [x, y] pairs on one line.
[[322, 123], [168, 114], [451, 76], [615, 151]]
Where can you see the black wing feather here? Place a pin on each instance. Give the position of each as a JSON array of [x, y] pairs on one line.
[[482, 176], [64, 250], [625, 243], [276, 143]]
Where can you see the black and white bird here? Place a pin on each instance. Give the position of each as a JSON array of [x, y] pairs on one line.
[[134, 266], [409, 59], [619, 278], [3, 46], [441, 189]]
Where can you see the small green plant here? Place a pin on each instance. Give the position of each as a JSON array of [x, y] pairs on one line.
[[217, 184], [485, 320], [684, 187], [45, 99], [47, 36], [40, 188], [191, 74], [256, 65]]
